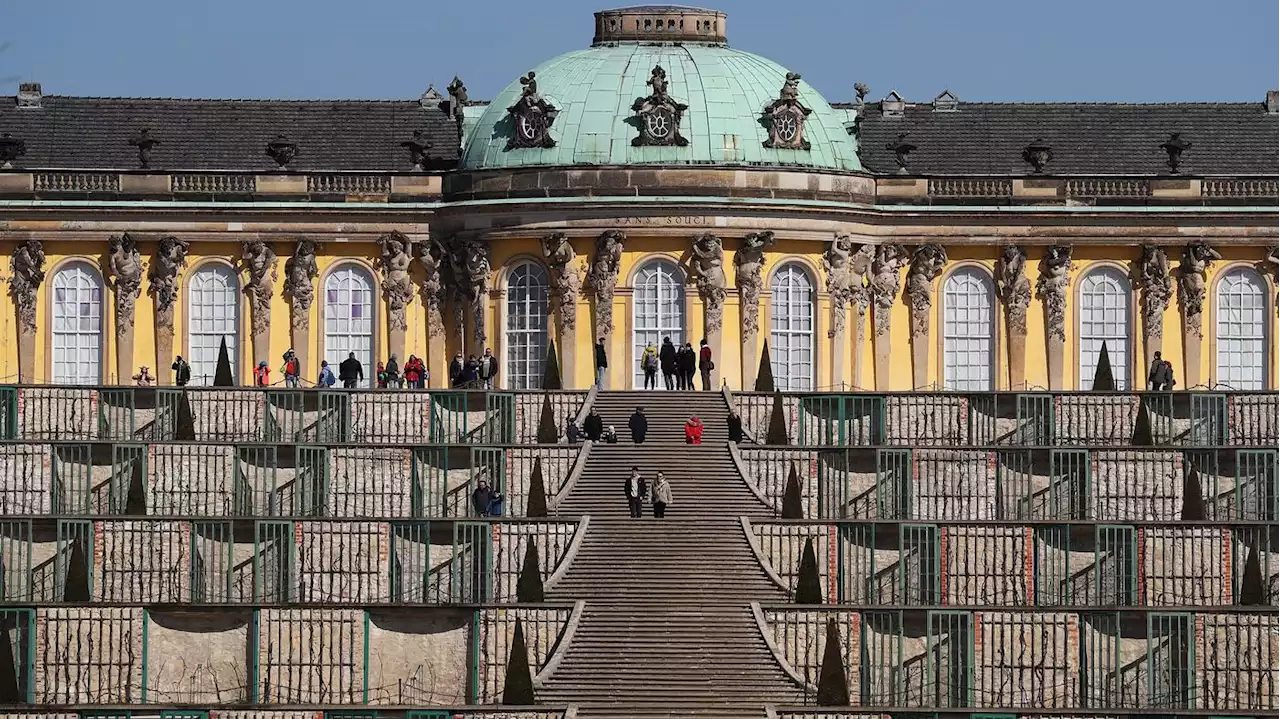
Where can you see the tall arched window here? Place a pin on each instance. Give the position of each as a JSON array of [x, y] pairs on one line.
[[526, 338], [658, 306], [1242, 330], [1105, 318], [791, 329], [213, 314], [968, 331], [77, 325], [348, 318]]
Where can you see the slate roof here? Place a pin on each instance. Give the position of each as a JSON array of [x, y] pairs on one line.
[[983, 138], [93, 133]]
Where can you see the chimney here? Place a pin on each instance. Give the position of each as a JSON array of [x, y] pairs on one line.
[[893, 105], [1273, 101], [29, 94]]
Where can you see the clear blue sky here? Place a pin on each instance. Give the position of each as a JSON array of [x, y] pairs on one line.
[[997, 50]]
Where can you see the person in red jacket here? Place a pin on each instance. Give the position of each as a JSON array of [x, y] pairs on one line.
[[693, 431], [262, 375]]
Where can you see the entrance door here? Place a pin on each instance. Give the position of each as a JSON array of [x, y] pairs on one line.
[[658, 304]]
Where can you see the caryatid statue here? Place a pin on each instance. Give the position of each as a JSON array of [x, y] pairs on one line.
[[125, 263], [1014, 286], [707, 263], [565, 277], [162, 277], [1157, 288], [434, 258], [926, 264], [885, 282], [837, 262], [1052, 289], [397, 287], [1193, 279], [260, 262], [26, 273], [748, 266], [300, 271], [603, 277], [471, 269]]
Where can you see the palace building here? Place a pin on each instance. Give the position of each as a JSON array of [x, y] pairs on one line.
[[656, 183]]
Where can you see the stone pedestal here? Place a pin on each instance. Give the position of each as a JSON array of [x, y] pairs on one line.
[[262, 347], [839, 350], [124, 355], [750, 360], [1054, 350], [566, 341], [859, 320], [714, 341], [26, 357], [884, 348], [300, 339], [1017, 359], [1192, 343], [164, 355]]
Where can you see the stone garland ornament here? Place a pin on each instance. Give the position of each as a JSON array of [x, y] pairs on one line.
[[785, 117], [1157, 288], [531, 117], [397, 287], [1051, 287], [748, 264], [565, 278], [837, 262], [707, 263], [26, 273], [162, 277], [260, 262], [1014, 286], [603, 277], [885, 282], [434, 258], [1193, 281], [926, 265], [300, 271], [125, 263], [659, 114]]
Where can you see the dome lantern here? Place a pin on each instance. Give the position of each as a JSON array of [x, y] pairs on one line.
[[660, 24]]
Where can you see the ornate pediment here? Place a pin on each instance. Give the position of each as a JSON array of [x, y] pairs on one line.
[[785, 117], [531, 117], [659, 115]]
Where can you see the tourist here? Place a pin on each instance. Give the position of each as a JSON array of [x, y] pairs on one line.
[[488, 370], [594, 426], [649, 365], [393, 372], [667, 360], [485, 501], [636, 490], [144, 378], [456, 370], [661, 496], [572, 431], [639, 425], [689, 366], [679, 367], [471, 372], [290, 368], [262, 374], [693, 430], [380, 376], [1169, 381], [1155, 377], [350, 371], [326, 378], [610, 435], [705, 365], [735, 428], [412, 372], [181, 372], [602, 363]]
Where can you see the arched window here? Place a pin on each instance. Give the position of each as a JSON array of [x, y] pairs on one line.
[[658, 306], [77, 325], [1105, 318], [1242, 330], [213, 314], [968, 331], [791, 329], [348, 318], [526, 339]]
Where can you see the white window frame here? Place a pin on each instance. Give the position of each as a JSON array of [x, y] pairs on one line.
[[968, 331], [343, 332], [527, 326], [213, 313], [1105, 309], [659, 284], [1241, 330], [791, 321], [76, 342]]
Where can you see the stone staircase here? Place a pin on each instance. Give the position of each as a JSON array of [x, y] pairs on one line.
[[667, 630]]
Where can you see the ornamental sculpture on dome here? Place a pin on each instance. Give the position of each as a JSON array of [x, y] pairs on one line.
[[531, 117], [786, 117], [659, 115]]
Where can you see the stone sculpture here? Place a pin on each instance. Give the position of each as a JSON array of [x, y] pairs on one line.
[[1052, 289], [125, 263], [300, 271], [837, 262], [1157, 288], [565, 277], [171, 257], [397, 287], [457, 97], [885, 282], [785, 117], [748, 264], [926, 264], [1014, 286], [469, 262], [659, 114], [145, 144], [531, 117], [1193, 276], [282, 151], [434, 259], [26, 273], [603, 277], [260, 261], [707, 265], [418, 147]]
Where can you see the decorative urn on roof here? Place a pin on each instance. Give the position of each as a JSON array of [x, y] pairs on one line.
[[1174, 147], [11, 148], [282, 150], [1038, 154]]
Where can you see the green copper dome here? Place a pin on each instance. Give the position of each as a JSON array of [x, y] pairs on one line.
[[593, 92]]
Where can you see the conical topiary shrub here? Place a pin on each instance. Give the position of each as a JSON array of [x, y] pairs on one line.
[[222, 375], [764, 376], [777, 434], [1192, 497], [792, 506], [529, 589], [184, 424], [808, 583], [833, 683], [1103, 381], [1142, 435], [517, 689], [536, 505], [9, 690], [548, 432], [1251, 590], [135, 504], [551, 368], [76, 582]]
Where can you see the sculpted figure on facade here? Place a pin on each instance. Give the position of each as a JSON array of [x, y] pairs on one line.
[[434, 259], [1014, 286], [1157, 288], [471, 269], [565, 277], [837, 262], [707, 264], [748, 265], [125, 263], [603, 277], [300, 271], [885, 281], [1271, 267], [260, 262], [397, 286], [26, 273], [1052, 289], [926, 264], [171, 257], [1193, 279]]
